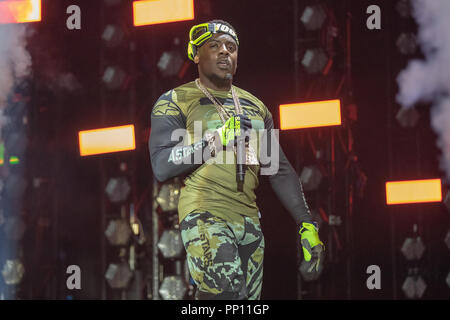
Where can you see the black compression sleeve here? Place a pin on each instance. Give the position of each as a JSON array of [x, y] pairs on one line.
[[285, 182], [171, 158]]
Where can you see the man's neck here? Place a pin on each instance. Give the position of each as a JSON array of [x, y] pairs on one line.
[[216, 83]]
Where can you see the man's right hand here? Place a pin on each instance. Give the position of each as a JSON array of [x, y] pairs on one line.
[[234, 127]]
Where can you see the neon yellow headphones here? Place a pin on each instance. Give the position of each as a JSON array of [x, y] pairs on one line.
[[200, 33]]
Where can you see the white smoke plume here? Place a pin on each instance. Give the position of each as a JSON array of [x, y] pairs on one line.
[[428, 80], [15, 61]]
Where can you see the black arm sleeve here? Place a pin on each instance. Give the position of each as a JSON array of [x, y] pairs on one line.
[[285, 182], [170, 158]]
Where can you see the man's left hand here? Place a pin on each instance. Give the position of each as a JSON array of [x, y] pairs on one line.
[[313, 252]]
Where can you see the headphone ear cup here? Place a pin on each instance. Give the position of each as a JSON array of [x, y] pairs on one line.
[[191, 51]]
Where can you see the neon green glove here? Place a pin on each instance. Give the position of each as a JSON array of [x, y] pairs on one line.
[[313, 252], [234, 127]]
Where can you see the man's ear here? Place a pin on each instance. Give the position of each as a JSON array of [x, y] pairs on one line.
[[196, 59]]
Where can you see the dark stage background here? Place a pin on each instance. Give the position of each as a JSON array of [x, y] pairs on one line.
[[64, 225]]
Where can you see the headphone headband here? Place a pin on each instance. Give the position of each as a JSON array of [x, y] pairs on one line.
[[202, 32]]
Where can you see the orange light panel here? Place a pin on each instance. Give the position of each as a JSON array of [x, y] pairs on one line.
[[20, 11], [310, 114], [148, 12], [413, 191], [106, 140]]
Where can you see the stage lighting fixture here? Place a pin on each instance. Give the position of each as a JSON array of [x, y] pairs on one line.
[[168, 196], [170, 244], [15, 185], [310, 178], [313, 17], [334, 220], [117, 189], [147, 12], [447, 200], [170, 63], [15, 112], [20, 11], [315, 60], [407, 117], [2, 153], [118, 275], [413, 248], [172, 288], [106, 140], [16, 143], [407, 43], [114, 77], [13, 127], [404, 8], [14, 228], [13, 271], [118, 232], [414, 287], [310, 114], [112, 35], [2, 218], [14, 160], [413, 191], [447, 239]]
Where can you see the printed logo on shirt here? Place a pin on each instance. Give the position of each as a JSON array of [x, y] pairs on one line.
[[165, 108]]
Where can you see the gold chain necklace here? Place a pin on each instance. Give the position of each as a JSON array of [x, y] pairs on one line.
[[251, 158], [223, 114]]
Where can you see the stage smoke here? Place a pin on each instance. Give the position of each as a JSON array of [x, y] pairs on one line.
[[428, 80], [15, 61]]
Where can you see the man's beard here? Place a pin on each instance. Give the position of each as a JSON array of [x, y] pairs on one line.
[[222, 81]]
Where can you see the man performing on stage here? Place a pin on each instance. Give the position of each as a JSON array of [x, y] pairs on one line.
[[218, 214]]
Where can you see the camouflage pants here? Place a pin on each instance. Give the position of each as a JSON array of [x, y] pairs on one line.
[[225, 259]]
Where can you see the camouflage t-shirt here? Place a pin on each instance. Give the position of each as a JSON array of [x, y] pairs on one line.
[[212, 186]]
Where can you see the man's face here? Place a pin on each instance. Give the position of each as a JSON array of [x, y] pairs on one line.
[[217, 58]]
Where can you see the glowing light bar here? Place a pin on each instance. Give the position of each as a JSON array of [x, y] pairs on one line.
[[106, 140], [413, 191], [14, 160], [310, 114], [2, 153], [20, 11], [146, 12]]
